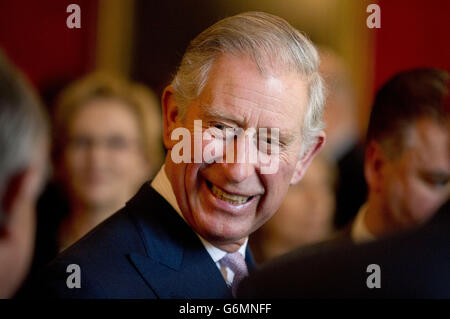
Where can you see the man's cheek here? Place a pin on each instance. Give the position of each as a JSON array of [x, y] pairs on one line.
[[429, 201], [276, 189]]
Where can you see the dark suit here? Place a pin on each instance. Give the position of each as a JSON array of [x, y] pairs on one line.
[[413, 264], [145, 250]]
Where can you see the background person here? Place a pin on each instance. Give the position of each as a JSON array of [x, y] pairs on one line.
[[107, 143], [24, 139], [407, 163]]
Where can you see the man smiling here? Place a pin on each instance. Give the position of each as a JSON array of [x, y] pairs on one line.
[[185, 234], [225, 202]]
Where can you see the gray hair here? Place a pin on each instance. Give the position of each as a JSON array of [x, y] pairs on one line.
[[271, 42], [22, 123]]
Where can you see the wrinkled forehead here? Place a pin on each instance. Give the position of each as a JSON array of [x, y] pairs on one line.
[[237, 91]]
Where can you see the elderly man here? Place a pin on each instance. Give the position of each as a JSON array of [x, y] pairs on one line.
[[23, 160], [407, 164], [242, 121]]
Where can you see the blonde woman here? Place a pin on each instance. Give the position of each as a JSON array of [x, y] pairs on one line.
[[107, 143]]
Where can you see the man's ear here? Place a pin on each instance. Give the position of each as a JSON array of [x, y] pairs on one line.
[[171, 118], [374, 162], [304, 162]]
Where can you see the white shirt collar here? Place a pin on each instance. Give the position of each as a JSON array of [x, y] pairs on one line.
[[163, 186], [360, 232], [216, 253]]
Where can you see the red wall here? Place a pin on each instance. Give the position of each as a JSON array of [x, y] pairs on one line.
[[413, 33], [35, 37]]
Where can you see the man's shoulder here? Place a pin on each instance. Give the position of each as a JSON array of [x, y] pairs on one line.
[[119, 233], [112, 237], [102, 256]]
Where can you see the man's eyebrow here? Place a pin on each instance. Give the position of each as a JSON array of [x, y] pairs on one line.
[[210, 112]]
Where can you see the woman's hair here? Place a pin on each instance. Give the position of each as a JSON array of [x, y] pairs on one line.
[[140, 100]]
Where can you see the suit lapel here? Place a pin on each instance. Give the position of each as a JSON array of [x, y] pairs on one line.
[[195, 280], [175, 263], [251, 265]]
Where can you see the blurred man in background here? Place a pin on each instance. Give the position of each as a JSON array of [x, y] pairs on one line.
[[407, 164], [23, 163]]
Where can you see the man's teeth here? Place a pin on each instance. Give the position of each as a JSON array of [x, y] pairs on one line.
[[233, 199]]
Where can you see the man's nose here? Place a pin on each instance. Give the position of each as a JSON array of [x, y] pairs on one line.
[[240, 166], [237, 172]]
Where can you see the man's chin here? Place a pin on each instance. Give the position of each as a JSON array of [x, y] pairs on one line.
[[227, 244]]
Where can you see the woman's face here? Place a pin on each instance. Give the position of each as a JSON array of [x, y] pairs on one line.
[[103, 161]]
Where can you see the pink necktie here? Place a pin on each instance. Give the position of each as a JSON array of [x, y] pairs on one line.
[[236, 263]]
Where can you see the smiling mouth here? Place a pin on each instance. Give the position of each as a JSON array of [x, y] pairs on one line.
[[227, 197]]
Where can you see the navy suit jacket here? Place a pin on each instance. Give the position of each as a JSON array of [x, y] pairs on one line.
[[145, 250], [413, 264]]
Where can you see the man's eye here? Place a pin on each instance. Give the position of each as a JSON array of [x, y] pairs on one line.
[[436, 180], [269, 140], [225, 131], [219, 126]]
